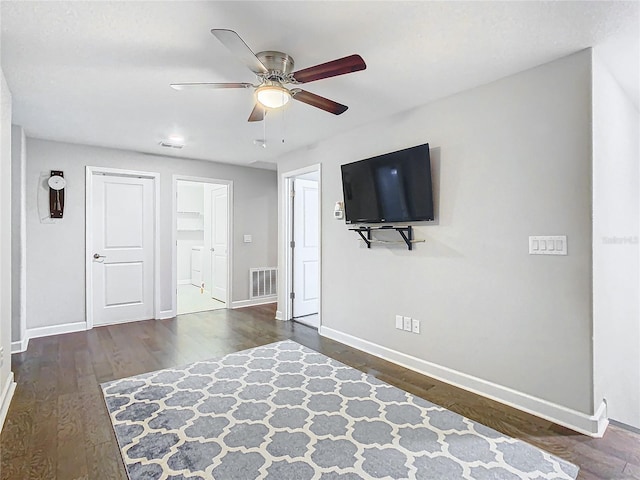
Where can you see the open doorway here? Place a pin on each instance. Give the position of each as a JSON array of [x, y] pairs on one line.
[[303, 258], [202, 231]]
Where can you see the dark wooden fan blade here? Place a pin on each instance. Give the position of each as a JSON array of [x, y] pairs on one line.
[[319, 102], [186, 86], [352, 63], [257, 114], [236, 46]]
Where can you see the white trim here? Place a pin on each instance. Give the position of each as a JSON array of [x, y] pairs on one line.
[[287, 233], [5, 400], [38, 332], [184, 282], [174, 235], [279, 315], [592, 425], [626, 426], [21, 345], [602, 418], [88, 233], [90, 172], [23, 240], [156, 246], [121, 322], [254, 302], [164, 314]]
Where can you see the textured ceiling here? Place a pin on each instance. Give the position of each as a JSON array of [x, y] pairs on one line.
[[98, 73]]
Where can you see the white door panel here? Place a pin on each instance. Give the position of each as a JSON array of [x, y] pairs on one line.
[[219, 232], [310, 220], [124, 215], [305, 252], [220, 265], [123, 237], [310, 276], [123, 283]]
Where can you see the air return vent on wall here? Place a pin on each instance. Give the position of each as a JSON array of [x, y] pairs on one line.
[[263, 282]]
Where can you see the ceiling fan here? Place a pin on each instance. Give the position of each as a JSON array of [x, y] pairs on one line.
[[274, 71]]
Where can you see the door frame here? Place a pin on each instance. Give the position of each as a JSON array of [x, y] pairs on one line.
[[174, 235], [287, 233], [118, 172]]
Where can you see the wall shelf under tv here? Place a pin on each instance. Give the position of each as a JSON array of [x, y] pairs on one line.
[[406, 232]]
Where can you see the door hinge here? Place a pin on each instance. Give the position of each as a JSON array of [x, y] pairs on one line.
[[292, 244], [293, 193], [292, 295]]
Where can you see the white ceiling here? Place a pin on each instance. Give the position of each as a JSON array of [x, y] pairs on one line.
[[98, 73]]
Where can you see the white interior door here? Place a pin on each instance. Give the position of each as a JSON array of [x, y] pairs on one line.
[[219, 247], [122, 248], [305, 251]]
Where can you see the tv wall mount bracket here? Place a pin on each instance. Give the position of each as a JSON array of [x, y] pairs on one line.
[[406, 232]]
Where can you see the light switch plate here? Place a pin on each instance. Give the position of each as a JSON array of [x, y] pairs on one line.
[[548, 245], [248, 239], [415, 326], [399, 322], [407, 324]]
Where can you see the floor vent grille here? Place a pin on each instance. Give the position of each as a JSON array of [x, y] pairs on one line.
[[263, 282]]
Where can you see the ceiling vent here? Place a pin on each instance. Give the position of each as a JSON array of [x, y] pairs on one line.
[[171, 145]]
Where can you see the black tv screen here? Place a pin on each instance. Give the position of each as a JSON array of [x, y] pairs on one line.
[[395, 187]]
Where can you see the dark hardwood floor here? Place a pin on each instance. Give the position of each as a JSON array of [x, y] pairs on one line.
[[58, 428]]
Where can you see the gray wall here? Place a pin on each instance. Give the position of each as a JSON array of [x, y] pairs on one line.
[[60, 247], [616, 198], [18, 233], [5, 236], [511, 159]]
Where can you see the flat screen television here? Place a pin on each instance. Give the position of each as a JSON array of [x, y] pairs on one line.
[[395, 187]]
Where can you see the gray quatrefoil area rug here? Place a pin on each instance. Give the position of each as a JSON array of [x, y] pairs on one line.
[[285, 412]]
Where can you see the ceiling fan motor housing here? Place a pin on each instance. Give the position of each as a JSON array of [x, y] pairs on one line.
[[279, 64]]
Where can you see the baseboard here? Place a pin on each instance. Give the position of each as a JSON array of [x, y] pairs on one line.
[[625, 426], [602, 418], [20, 346], [253, 302], [279, 315], [5, 400], [592, 425], [56, 329], [164, 314]]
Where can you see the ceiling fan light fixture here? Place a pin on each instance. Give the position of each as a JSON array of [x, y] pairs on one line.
[[272, 96]]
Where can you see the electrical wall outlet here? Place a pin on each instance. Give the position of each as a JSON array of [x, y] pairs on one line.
[[415, 326], [407, 324], [399, 323]]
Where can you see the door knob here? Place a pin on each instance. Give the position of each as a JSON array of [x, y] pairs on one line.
[[96, 256], [213, 249]]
